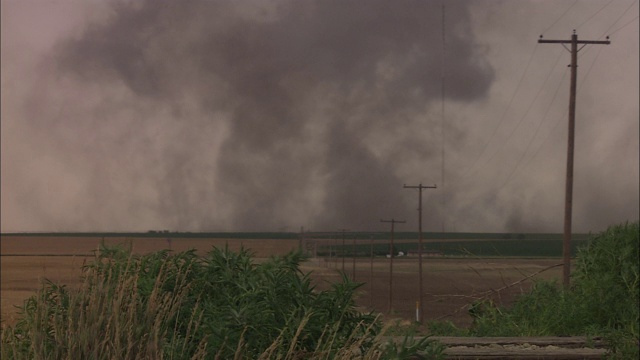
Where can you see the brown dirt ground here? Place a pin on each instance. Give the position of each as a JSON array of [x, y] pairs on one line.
[[450, 284]]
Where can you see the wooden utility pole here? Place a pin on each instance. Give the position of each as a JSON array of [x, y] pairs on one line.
[[568, 198], [371, 271], [393, 223], [343, 247], [353, 258], [420, 297]]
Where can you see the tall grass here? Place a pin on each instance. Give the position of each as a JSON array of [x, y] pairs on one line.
[[181, 306]]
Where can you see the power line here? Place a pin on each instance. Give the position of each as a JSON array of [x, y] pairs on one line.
[[534, 135], [633, 2], [625, 25], [618, 19], [519, 162], [546, 139], [596, 13], [560, 17], [504, 113], [500, 147], [554, 129]]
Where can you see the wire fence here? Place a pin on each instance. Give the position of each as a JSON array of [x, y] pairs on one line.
[[458, 269]]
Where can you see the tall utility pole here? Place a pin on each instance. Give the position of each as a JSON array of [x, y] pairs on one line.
[[420, 187], [393, 223], [568, 198]]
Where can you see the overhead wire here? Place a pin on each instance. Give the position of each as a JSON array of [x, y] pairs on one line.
[[517, 164], [519, 168], [542, 120], [596, 13], [469, 171], [502, 118], [584, 79], [515, 128], [560, 17], [606, 33], [620, 18], [559, 121], [553, 130], [625, 25]]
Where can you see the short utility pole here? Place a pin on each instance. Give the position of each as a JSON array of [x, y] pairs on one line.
[[420, 187], [568, 199], [393, 223], [353, 258], [343, 247]]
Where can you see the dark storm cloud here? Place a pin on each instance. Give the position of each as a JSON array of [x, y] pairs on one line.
[[303, 89]]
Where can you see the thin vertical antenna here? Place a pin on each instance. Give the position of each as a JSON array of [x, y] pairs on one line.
[[442, 197]]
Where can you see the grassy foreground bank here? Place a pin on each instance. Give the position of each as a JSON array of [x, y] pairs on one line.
[[603, 299]]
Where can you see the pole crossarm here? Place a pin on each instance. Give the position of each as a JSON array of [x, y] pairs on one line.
[[604, 42], [393, 221], [419, 187]]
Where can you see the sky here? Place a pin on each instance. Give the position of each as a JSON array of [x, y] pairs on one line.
[[277, 115]]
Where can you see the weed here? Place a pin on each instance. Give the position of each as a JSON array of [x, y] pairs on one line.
[[603, 299]]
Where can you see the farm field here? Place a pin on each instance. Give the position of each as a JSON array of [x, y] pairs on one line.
[[450, 283]]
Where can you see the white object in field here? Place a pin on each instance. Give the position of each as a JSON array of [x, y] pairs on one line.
[[388, 256], [400, 253]]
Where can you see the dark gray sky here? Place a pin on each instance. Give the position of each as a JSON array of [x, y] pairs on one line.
[[271, 115]]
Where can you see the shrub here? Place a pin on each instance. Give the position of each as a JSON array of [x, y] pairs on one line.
[[603, 298]]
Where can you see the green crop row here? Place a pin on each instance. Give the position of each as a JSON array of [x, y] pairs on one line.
[[486, 248]]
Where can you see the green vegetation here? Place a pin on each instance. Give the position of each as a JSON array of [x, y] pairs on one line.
[[181, 306], [603, 299], [473, 248]]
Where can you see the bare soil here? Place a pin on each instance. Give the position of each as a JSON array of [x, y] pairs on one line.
[[449, 284]]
